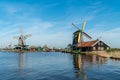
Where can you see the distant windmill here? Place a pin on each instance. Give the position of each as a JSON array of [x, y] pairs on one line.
[[78, 35], [10, 45], [21, 40]]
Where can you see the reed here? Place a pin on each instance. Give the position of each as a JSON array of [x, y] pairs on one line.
[[115, 54]]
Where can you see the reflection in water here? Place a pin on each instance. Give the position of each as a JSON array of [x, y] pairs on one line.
[[84, 62], [57, 66], [79, 65], [21, 61], [21, 58]]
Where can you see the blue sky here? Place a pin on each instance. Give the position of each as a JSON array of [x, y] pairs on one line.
[[49, 21]]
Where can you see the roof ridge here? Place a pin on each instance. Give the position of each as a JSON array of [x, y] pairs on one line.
[[88, 43], [91, 41]]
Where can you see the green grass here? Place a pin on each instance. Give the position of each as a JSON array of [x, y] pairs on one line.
[[77, 52]]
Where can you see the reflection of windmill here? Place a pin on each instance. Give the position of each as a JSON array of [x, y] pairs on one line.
[[78, 35], [79, 66], [21, 63], [21, 40], [10, 45], [21, 60]]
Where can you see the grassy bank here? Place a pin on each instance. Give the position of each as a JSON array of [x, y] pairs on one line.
[[113, 50], [100, 53], [114, 53], [77, 52]]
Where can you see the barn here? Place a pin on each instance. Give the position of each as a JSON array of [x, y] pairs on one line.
[[95, 45]]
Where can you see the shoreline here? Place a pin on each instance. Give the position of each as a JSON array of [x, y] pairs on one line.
[[112, 55]]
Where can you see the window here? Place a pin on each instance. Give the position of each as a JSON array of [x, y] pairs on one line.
[[101, 43], [98, 43], [108, 48], [94, 48], [102, 48]]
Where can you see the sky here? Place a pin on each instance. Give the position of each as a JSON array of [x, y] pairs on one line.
[[49, 21]]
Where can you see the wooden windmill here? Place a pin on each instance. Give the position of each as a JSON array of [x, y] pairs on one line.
[[78, 35], [21, 40]]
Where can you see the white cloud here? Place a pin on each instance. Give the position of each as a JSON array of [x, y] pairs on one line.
[[41, 34], [58, 39], [58, 33], [9, 8]]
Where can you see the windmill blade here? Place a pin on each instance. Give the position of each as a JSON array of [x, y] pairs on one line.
[[85, 34], [16, 37], [75, 26], [29, 35], [83, 25], [21, 31]]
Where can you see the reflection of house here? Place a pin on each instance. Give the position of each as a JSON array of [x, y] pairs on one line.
[[95, 45]]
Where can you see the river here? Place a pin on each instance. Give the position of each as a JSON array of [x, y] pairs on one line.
[[57, 66]]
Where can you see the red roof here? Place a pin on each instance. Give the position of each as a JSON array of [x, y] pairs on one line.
[[87, 44]]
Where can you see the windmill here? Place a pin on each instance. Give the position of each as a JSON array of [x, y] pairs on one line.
[[78, 35], [21, 40]]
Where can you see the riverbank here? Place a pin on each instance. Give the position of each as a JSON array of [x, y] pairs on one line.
[[115, 55], [112, 54], [107, 54], [100, 53]]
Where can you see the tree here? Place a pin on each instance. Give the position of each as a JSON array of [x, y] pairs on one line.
[[45, 46], [69, 46]]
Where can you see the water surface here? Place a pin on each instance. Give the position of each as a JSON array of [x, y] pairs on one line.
[[57, 66]]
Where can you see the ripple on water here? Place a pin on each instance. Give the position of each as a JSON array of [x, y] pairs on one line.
[[57, 66]]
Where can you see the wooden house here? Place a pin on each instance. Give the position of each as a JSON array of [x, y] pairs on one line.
[[96, 45]]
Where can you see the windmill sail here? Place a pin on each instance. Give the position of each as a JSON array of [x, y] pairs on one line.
[[85, 34], [16, 37], [83, 25], [29, 35], [78, 35], [75, 26], [21, 41], [21, 31]]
